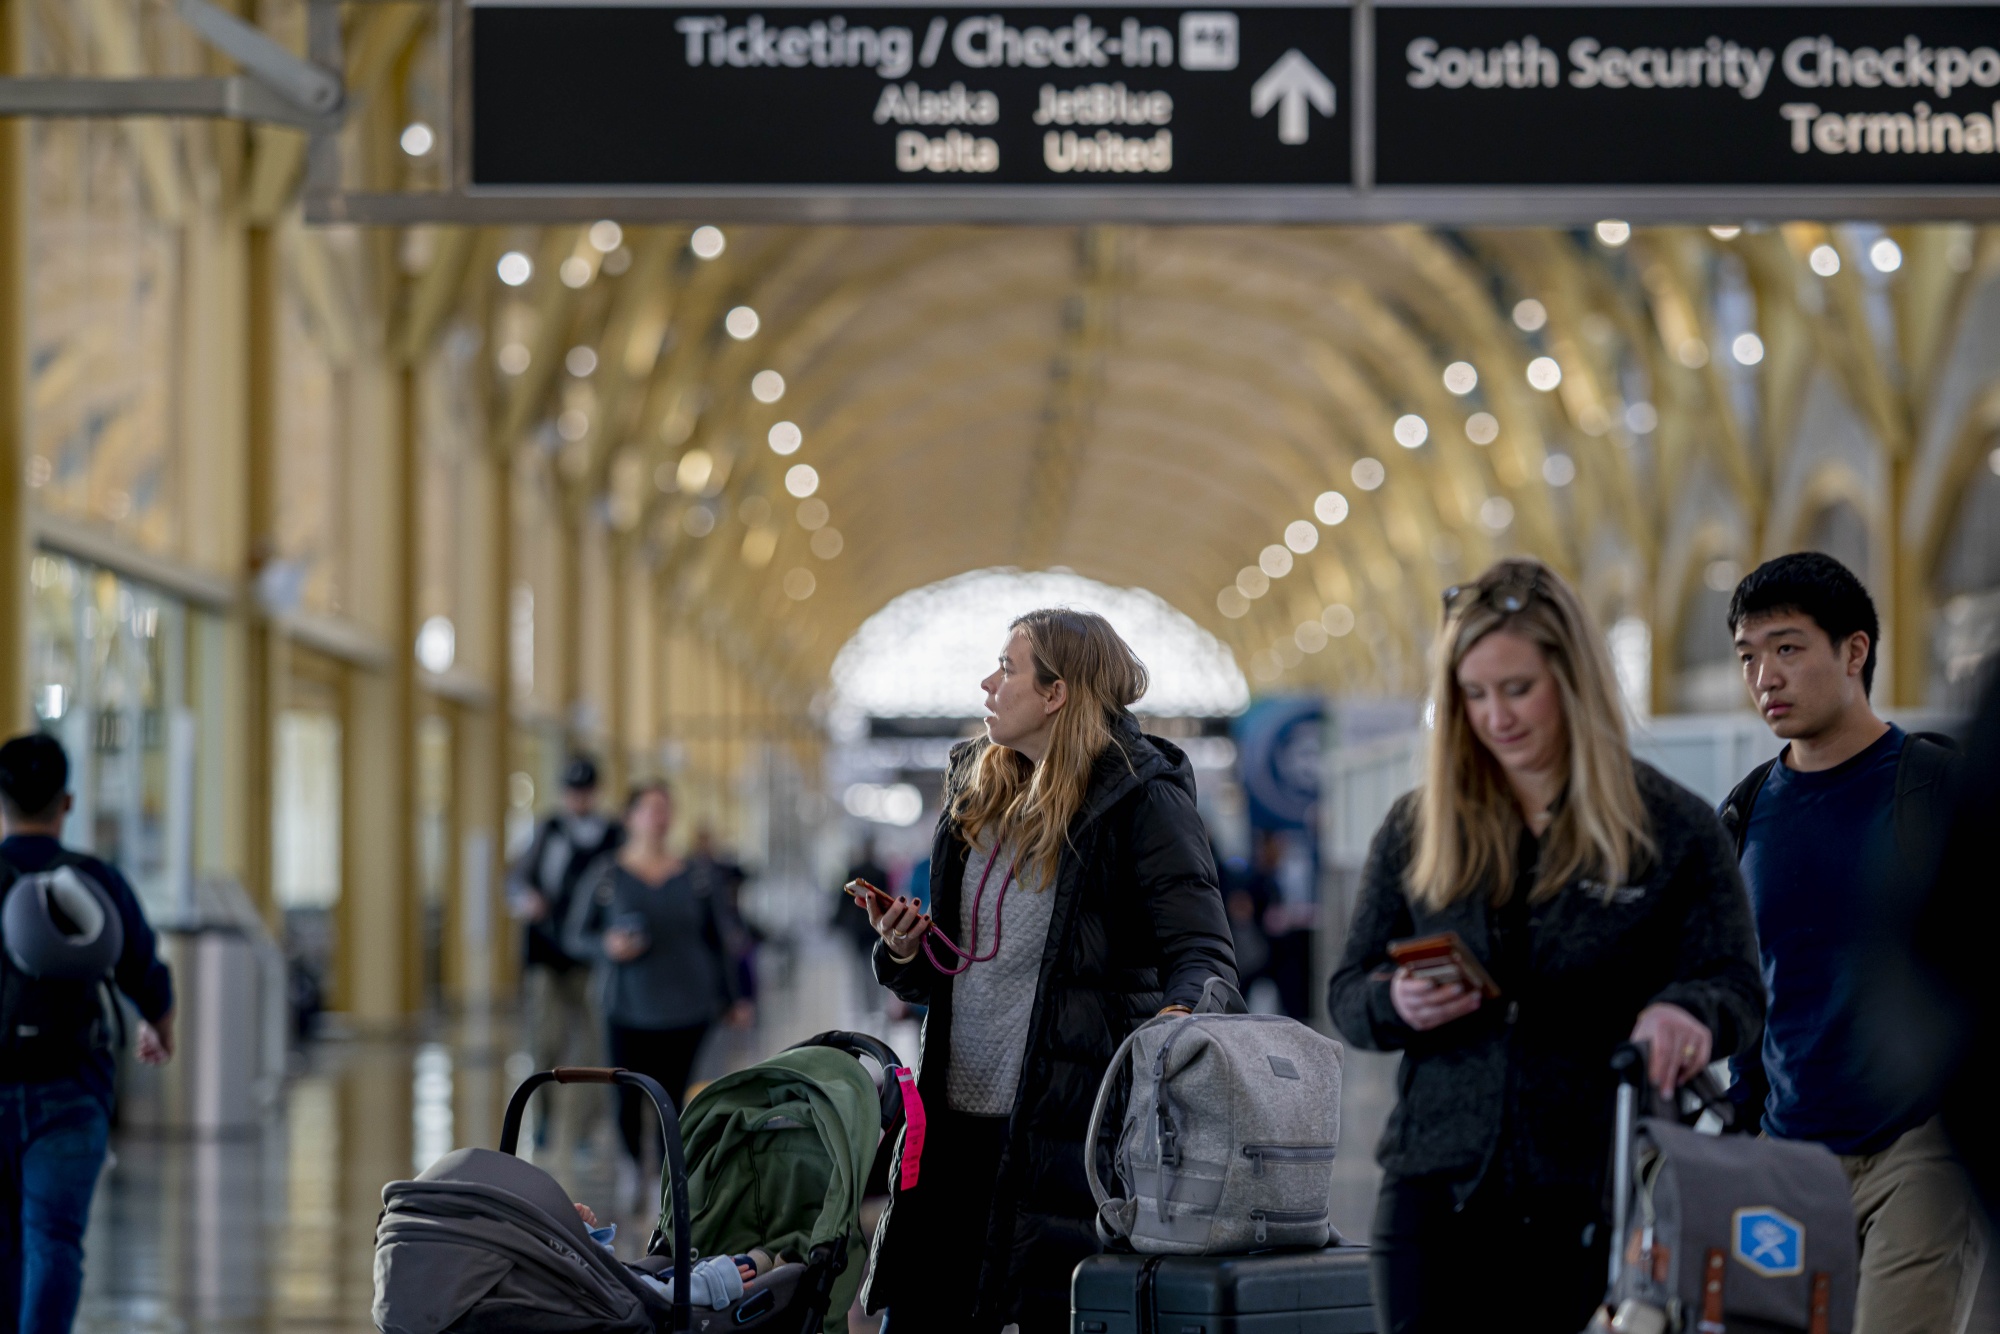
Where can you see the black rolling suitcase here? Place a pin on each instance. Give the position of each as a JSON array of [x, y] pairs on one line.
[[1295, 1292]]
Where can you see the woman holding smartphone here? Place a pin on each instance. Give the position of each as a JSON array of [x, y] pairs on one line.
[[659, 934], [1073, 897], [1604, 902]]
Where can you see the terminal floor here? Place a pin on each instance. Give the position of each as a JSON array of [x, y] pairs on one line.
[[273, 1231]]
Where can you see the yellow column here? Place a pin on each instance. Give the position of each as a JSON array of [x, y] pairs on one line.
[[403, 671], [15, 552], [1906, 627], [380, 915], [617, 642], [490, 790], [263, 678]]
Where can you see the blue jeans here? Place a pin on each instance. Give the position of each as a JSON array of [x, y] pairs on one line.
[[52, 1142]]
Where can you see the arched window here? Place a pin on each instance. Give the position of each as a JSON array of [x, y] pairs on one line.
[[924, 654]]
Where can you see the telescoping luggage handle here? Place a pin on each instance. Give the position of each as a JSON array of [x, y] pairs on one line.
[[900, 1099], [1628, 1065], [670, 1133]]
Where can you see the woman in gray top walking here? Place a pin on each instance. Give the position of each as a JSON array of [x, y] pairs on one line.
[[1075, 898], [659, 935]]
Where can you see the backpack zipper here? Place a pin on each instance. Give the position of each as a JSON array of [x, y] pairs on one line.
[[1283, 1217], [1286, 1153]]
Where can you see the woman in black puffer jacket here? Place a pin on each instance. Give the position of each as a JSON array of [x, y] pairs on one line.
[[1604, 900], [1070, 863]]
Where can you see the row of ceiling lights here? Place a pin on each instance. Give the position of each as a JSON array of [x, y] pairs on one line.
[[1884, 255], [1411, 431], [1496, 513], [696, 468]]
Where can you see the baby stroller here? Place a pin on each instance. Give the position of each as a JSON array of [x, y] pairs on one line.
[[779, 1155], [481, 1242]]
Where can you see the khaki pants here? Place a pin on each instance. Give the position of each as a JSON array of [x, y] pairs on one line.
[[1922, 1242], [563, 1030]]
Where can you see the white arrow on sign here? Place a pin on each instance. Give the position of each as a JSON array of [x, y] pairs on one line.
[[1289, 85]]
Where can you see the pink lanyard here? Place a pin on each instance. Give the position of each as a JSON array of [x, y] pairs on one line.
[[974, 956]]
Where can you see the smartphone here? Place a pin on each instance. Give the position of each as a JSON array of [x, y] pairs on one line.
[[862, 892], [1444, 959]]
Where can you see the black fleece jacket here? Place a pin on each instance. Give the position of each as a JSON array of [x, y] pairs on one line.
[[1138, 923], [1537, 1060]]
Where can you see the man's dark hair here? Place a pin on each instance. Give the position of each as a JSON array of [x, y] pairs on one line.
[[580, 774], [1814, 585], [34, 774]]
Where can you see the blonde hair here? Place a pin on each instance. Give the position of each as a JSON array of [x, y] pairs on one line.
[[1011, 799], [1468, 822]]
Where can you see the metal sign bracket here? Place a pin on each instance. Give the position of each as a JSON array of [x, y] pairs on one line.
[[277, 88]]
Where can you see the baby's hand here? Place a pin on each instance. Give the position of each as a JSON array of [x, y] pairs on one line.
[[583, 1211]]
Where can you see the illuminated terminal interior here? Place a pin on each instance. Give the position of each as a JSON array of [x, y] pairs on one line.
[[328, 544]]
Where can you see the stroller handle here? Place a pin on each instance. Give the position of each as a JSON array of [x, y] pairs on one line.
[[584, 1074], [670, 1133]]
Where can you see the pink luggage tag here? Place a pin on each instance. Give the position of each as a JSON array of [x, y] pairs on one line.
[[913, 1125]]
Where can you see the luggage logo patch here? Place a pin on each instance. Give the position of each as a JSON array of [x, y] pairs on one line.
[[1768, 1242]]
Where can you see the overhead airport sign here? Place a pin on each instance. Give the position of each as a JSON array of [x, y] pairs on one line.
[[642, 96], [1369, 111], [1821, 95]]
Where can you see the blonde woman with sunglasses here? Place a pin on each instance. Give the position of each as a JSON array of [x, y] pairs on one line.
[[1602, 900]]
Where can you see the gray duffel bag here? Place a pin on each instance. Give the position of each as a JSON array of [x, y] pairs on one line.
[[1726, 1231], [1229, 1134]]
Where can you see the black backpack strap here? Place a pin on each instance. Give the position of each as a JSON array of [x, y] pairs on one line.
[[1749, 1086], [1922, 773], [1742, 798]]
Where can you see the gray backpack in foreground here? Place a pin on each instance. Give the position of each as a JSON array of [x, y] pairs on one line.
[[1722, 1229], [1230, 1129]]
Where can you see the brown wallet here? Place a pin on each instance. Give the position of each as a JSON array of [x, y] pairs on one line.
[[1443, 958]]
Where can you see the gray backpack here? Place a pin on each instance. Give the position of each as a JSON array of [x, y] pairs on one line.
[[1230, 1128]]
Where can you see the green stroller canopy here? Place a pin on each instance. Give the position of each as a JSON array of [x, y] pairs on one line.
[[778, 1156]]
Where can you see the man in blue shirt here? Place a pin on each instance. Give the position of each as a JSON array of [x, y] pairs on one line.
[[1827, 832], [56, 1086]]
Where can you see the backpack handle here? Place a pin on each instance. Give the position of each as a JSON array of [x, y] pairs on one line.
[[1232, 1001]]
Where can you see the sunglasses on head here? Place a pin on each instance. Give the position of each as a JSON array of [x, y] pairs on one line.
[[1509, 593]]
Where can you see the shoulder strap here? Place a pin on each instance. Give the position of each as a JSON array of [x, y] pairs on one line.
[[1742, 798], [1919, 814]]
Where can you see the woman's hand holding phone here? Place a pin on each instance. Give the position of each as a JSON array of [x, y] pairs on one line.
[[1426, 1005], [900, 921]]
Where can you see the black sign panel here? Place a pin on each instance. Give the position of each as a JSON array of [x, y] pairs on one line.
[[657, 96], [1688, 95]]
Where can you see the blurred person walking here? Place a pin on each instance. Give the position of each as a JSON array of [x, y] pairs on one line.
[[56, 1045], [562, 1028], [1603, 900], [1834, 834], [659, 934], [867, 865], [1072, 867], [717, 872]]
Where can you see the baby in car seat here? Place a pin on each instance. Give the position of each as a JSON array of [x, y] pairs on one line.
[[715, 1282]]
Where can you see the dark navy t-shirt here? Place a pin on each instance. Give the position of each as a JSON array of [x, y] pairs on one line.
[[1818, 855], [139, 972]]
